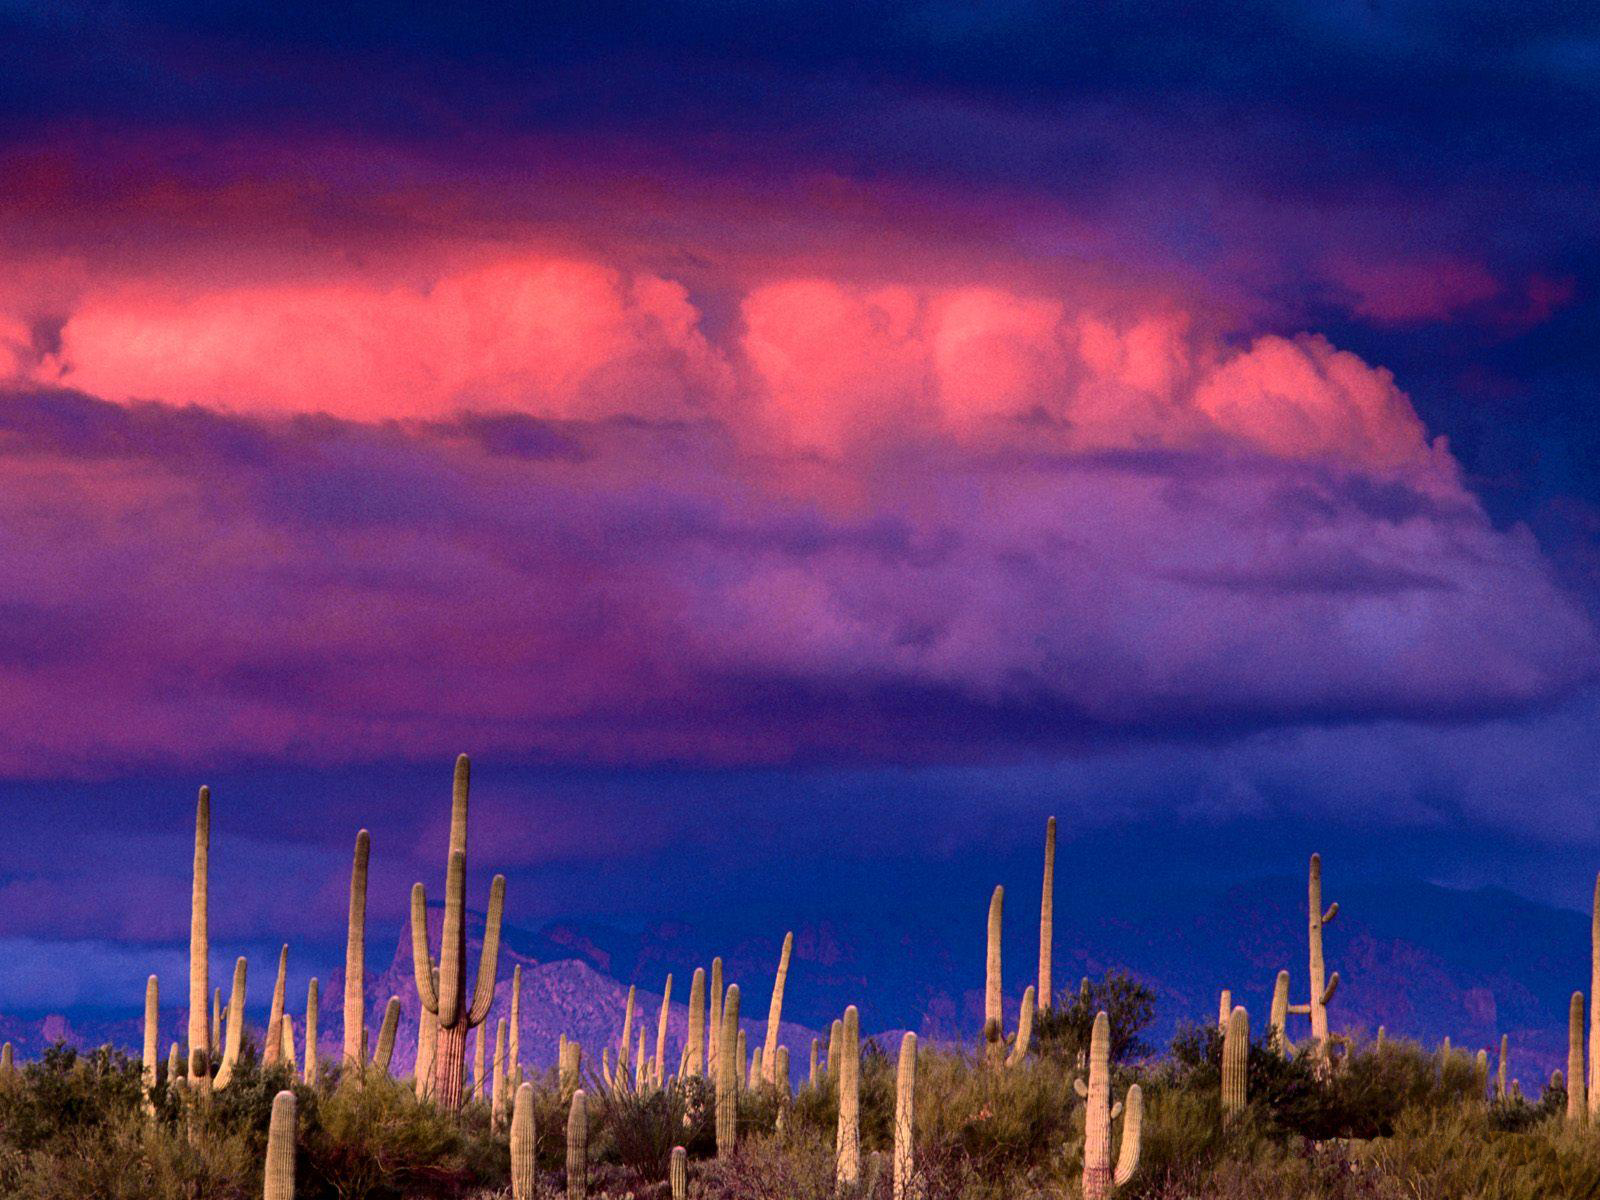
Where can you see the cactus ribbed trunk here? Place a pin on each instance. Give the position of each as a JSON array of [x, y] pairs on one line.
[[523, 1178], [287, 1042], [1047, 916], [694, 1059], [1577, 1104], [199, 935], [480, 1089], [847, 1140], [835, 1036], [497, 1077], [152, 1044], [816, 1051], [1224, 1009], [1097, 1114], [905, 1087], [1500, 1077], [1235, 1063], [1321, 987], [514, 1030], [678, 1173], [1277, 1021], [769, 1050], [571, 1065], [578, 1147], [278, 1178], [355, 958], [993, 1015], [230, 1051], [450, 1066], [714, 1022], [727, 1095]]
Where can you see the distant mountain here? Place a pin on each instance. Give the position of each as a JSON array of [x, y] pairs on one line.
[[1425, 961]]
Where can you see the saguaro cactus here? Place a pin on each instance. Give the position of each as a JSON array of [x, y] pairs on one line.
[[309, 1075], [1047, 919], [678, 1173], [230, 1051], [905, 1087], [279, 1175], [578, 1147], [993, 1029], [272, 1050], [835, 1036], [1019, 1049], [386, 1034], [497, 1077], [714, 1024], [1500, 1070], [816, 1051], [727, 1095], [1224, 1009], [199, 936], [1099, 1180], [1322, 989], [448, 998], [514, 1030], [847, 1141], [1235, 1063], [480, 1086], [1277, 1022], [522, 1144], [658, 1069], [694, 1060], [1577, 1105], [769, 1052], [1594, 1007], [152, 1044], [355, 959], [570, 1066]]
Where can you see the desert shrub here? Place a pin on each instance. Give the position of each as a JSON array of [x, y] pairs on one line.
[[1063, 1030], [643, 1129], [997, 1120]]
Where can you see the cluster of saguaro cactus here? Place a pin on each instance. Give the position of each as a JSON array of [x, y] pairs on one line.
[[1099, 1178], [446, 997]]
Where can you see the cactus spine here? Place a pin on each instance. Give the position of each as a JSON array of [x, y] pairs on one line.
[[278, 1183], [448, 999], [847, 1141], [152, 1044], [769, 1053], [355, 959], [694, 1059], [993, 1030], [522, 1144], [1019, 1051], [728, 1075], [578, 1147], [905, 1087], [1047, 916], [1235, 1064], [199, 937], [659, 1069], [678, 1173], [272, 1051], [1577, 1105], [1098, 1178]]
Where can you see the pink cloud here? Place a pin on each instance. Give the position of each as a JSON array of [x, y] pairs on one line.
[[1403, 291]]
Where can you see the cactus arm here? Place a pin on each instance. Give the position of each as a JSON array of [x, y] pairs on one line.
[[1081, 1088], [1303, 1010], [1333, 911], [386, 1034], [421, 960], [1333, 986], [1132, 1136], [489, 960]]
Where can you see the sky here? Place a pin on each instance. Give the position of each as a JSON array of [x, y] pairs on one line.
[[791, 447]]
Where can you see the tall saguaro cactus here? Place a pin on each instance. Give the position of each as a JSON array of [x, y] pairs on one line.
[[1577, 1105], [1594, 1007], [769, 1052], [272, 1051], [1047, 916], [727, 1094], [714, 1024], [230, 1051], [694, 1061], [152, 1042], [457, 1010], [1099, 1180], [199, 935], [1277, 1022], [847, 1140], [993, 1028], [514, 1030], [355, 959], [523, 1180], [1235, 1063], [278, 1182], [1322, 988], [905, 1088], [1019, 1049], [658, 1067], [309, 1075]]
